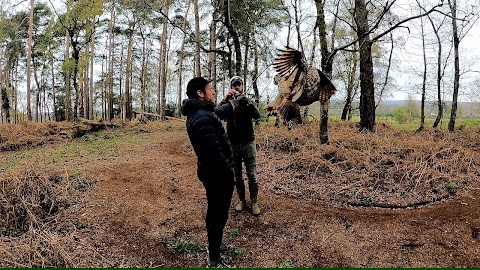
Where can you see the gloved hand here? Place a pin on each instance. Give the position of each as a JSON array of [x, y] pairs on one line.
[[238, 101]]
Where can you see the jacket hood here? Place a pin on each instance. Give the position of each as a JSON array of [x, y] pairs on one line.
[[191, 105]]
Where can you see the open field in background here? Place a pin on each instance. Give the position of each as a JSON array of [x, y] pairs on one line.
[[129, 197]]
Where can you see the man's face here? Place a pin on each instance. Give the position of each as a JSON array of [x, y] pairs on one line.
[[238, 87], [209, 95]]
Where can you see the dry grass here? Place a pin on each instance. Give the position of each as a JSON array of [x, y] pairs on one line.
[[389, 168], [30, 134], [32, 231]]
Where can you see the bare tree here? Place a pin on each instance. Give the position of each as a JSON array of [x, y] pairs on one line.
[[162, 73], [182, 56], [459, 32], [424, 83], [234, 34], [29, 59], [127, 96], [439, 74], [111, 45], [197, 39], [212, 55]]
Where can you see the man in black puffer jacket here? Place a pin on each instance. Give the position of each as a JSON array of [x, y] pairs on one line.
[[212, 147]]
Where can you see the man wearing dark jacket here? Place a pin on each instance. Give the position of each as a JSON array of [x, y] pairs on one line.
[[212, 147], [242, 136]]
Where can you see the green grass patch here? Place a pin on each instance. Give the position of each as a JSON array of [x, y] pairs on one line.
[[181, 246], [233, 232], [235, 253]]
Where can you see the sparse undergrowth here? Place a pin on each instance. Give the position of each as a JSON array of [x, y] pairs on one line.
[[32, 232], [389, 168]]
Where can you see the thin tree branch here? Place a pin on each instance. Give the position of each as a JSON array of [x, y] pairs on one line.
[[192, 36]]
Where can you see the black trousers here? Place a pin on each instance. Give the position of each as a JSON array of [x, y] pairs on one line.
[[219, 196]]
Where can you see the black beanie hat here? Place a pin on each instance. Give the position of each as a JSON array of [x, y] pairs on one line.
[[197, 83]]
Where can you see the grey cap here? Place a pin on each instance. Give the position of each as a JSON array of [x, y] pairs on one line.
[[235, 79]]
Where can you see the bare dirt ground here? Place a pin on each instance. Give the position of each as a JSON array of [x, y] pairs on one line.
[[146, 207]]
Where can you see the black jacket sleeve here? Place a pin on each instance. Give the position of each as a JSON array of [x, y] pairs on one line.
[[223, 110]]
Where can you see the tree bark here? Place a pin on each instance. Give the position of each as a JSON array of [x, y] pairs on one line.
[[182, 56], [424, 82], [54, 98], [327, 67], [439, 76], [456, 81], [128, 75], [111, 45], [297, 26], [367, 90], [143, 78], [213, 45], [29, 58], [92, 62], [163, 68], [38, 89], [236, 40], [245, 62], [255, 69], [5, 104], [197, 39], [15, 95]]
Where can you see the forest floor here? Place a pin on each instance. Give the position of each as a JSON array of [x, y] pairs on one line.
[[130, 197]]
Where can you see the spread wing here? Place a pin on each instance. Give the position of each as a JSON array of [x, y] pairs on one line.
[[292, 68]]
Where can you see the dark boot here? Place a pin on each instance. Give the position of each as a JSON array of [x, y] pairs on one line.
[[241, 197], [253, 199]]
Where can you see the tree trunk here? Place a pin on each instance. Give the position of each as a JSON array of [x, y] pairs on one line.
[[327, 60], [78, 96], [120, 79], [111, 45], [37, 91], [424, 83], [197, 39], [352, 75], [236, 40], [327, 67], [143, 78], [15, 95], [367, 90], [245, 61], [82, 102], [324, 122], [128, 75], [439, 76], [180, 64], [163, 68], [54, 99], [104, 91], [297, 26], [68, 89], [29, 58], [213, 45], [456, 81], [255, 69], [5, 104], [92, 63]]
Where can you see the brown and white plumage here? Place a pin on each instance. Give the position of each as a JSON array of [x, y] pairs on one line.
[[298, 82]]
